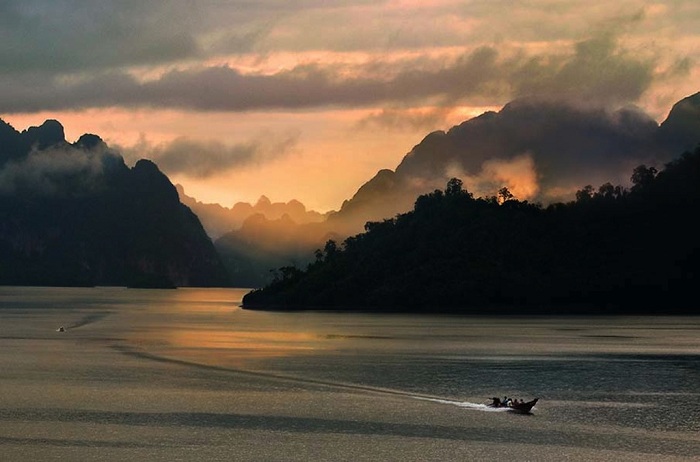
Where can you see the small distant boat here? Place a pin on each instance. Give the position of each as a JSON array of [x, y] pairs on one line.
[[61, 329], [520, 407]]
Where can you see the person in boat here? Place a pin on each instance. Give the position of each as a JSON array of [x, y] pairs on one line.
[[496, 402]]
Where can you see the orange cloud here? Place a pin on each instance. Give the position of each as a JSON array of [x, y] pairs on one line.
[[518, 174]]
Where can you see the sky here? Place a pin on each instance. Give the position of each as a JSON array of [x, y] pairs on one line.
[[308, 99]]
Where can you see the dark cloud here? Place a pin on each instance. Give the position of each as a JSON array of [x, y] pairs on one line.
[[66, 36], [204, 159], [597, 72], [59, 37]]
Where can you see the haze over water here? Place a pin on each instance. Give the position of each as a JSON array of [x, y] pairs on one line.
[[187, 375]]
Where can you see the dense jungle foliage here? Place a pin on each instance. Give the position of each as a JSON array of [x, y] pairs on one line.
[[612, 250]]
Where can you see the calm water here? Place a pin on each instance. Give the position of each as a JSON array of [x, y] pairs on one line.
[[187, 375]]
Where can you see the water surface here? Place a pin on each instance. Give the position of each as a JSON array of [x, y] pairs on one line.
[[187, 375]]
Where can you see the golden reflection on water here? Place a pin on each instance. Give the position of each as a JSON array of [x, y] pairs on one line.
[[273, 342], [230, 348], [207, 326]]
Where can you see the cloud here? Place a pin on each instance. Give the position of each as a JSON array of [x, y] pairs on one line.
[[56, 171], [597, 71], [65, 36], [518, 174], [406, 119], [204, 159], [56, 37], [71, 54], [50, 37]]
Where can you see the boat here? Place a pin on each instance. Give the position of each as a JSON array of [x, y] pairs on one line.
[[520, 407]]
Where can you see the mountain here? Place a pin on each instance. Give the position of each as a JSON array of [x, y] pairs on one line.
[[73, 214], [680, 131], [612, 251], [542, 151], [255, 239], [79, 204], [253, 252], [218, 220]]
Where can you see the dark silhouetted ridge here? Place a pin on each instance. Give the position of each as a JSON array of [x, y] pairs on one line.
[[612, 250]]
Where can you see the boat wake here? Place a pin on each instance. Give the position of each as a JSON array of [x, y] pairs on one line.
[[89, 319], [348, 386], [464, 404]]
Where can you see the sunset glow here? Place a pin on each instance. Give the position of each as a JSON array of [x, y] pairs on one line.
[[309, 101]]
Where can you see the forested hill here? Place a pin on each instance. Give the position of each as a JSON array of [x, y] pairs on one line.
[[612, 250]]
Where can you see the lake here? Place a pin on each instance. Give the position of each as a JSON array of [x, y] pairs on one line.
[[186, 374]]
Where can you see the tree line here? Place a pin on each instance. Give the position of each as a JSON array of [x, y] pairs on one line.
[[611, 250]]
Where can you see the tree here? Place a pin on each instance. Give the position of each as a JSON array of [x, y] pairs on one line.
[[584, 194], [285, 274], [643, 176], [330, 249], [504, 195], [454, 187], [608, 191]]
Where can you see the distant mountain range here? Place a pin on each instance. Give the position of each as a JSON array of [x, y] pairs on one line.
[[219, 220], [254, 240], [76, 215]]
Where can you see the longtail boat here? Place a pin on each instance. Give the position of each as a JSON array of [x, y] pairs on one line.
[[519, 407]]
